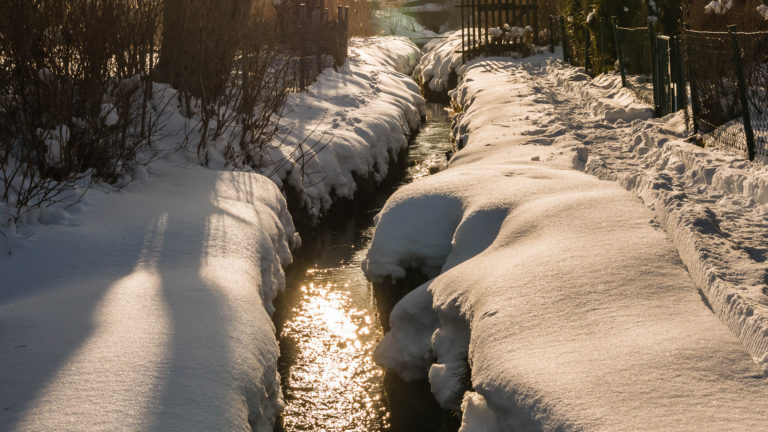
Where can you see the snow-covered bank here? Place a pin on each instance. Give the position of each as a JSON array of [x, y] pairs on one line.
[[150, 310], [559, 291], [712, 204], [363, 112]]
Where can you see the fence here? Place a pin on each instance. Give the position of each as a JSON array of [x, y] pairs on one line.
[[483, 25], [654, 64], [728, 75], [316, 38]]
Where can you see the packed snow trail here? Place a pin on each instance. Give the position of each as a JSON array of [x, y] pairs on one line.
[[557, 295]]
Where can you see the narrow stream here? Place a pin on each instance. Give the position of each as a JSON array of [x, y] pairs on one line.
[[328, 323]]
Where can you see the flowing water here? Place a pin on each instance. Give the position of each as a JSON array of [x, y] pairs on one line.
[[329, 323]]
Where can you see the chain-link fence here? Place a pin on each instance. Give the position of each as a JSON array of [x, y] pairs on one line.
[[633, 48], [728, 75]]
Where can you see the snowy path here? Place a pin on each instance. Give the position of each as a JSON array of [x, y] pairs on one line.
[[560, 292], [150, 311], [714, 205]]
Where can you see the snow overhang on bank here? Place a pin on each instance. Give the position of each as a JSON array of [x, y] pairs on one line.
[[350, 124]]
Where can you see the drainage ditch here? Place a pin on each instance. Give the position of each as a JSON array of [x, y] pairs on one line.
[[329, 321]]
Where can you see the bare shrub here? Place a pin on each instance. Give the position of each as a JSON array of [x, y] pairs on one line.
[[74, 94]]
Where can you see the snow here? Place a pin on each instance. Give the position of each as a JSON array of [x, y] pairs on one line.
[[392, 21], [576, 305], [149, 310], [364, 111], [763, 11], [718, 7], [147, 306]]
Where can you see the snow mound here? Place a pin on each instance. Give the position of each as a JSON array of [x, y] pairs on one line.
[[571, 309], [350, 124], [152, 313], [441, 59]]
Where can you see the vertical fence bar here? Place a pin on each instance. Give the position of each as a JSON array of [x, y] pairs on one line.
[[461, 13], [340, 55], [551, 34], [746, 115], [564, 38], [586, 49], [654, 65], [302, 32], [535, 23], [603, 30], [682, 93], [476, 28], [617, 41], [486, 22], [695, 101]]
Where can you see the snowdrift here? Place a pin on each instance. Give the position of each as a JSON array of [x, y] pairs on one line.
[[557, 302], [149, 311]]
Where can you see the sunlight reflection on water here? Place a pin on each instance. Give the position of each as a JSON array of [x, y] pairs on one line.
[[334, 384], [330, 380]]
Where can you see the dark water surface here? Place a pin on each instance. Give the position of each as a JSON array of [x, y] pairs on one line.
[[328, 322]]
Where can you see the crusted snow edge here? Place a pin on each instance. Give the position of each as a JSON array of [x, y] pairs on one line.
[[738, 313]]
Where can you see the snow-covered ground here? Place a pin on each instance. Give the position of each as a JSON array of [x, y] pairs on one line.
[[392, 21], [364, 112], [148, 307], [559, 301]]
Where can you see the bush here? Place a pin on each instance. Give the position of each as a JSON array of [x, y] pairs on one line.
[[73, 94]]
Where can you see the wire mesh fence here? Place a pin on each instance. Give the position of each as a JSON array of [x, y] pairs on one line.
[[635, 60], [728, 78], [754, 52]]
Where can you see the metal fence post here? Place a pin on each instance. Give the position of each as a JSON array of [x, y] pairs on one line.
[[603, 26], [654, 72], [587, 42], [551, 34], [677, 64], [564, 38], [617, 40], [739, 64], [695, 101]]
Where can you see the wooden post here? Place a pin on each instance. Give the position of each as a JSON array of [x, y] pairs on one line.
[[745, 114], [302, 32], [463, 46]]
